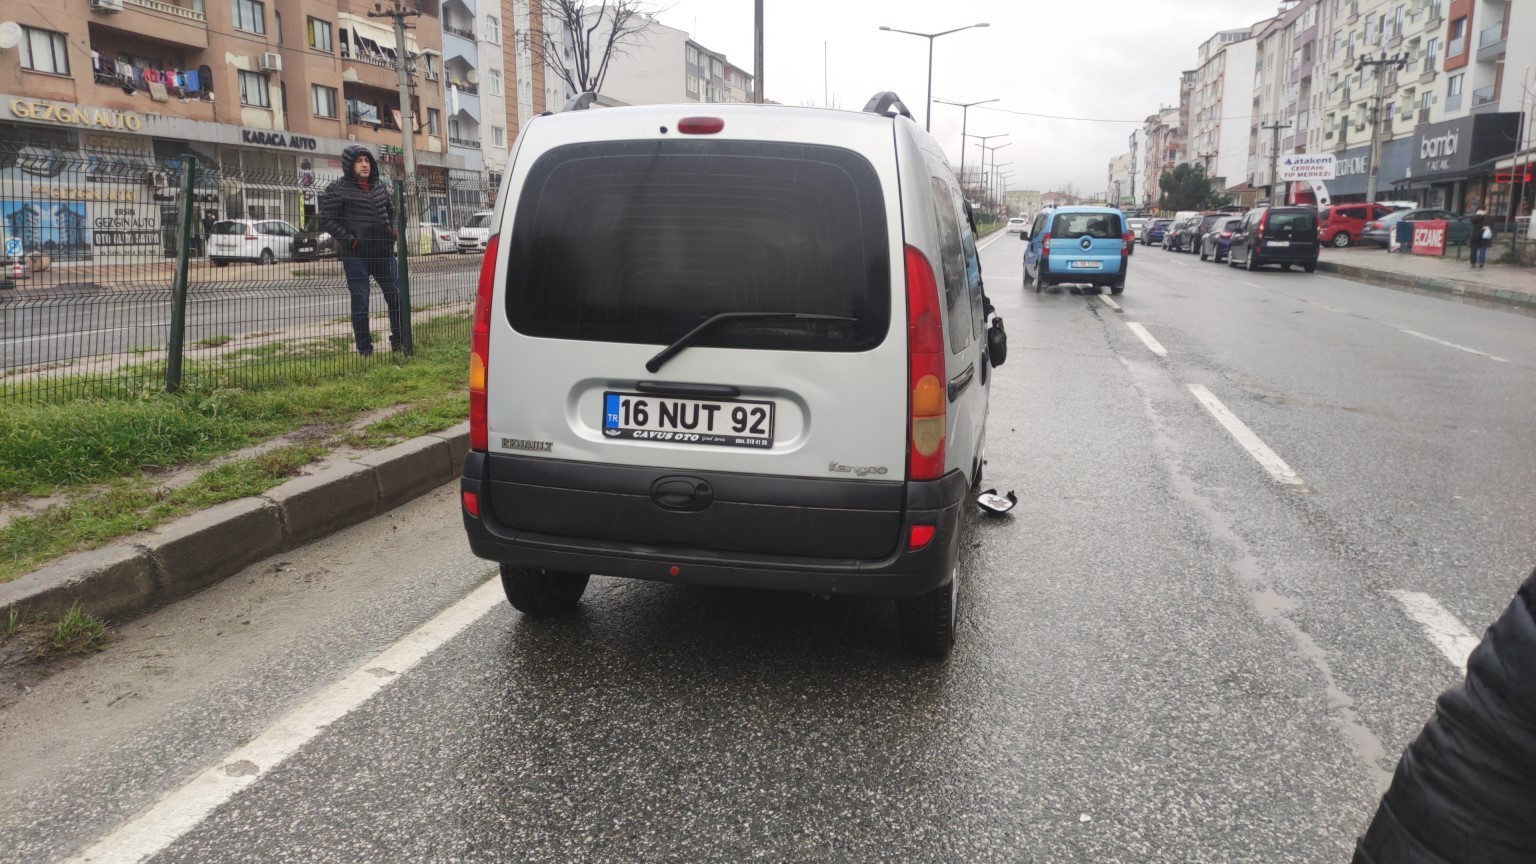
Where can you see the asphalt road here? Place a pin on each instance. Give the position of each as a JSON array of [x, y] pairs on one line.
[[1178, 647], [52, 326]]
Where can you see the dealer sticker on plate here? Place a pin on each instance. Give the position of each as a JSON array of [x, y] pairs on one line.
[[720, 422]]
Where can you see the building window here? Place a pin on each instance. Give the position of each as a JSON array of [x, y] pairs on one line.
[[1426, 99], [492, 30], [1457, 41], [249, 15], [323, 100], [434, 122], [44, 51], [277, 19], [693, 56], [320, 35], [253, 90], [495, 82], [498, 136], [1431, 54], [1453, 88]]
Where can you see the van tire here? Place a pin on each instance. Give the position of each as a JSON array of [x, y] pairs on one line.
[[1340, 240], [1118, 287], [1310, 266], [1250, 264], [542, 593], [928, 620]]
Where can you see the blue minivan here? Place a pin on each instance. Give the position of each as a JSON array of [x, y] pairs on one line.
[[1078, 246]]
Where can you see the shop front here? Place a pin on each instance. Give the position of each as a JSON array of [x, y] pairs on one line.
[[1454, 163]]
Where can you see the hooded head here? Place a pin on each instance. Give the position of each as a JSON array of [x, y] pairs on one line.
[[349, 158]]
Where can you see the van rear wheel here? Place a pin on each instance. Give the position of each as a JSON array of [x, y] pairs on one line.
[[542, 593], [928, 620]]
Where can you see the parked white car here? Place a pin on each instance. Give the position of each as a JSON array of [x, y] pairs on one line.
[[264, 240], [432, 239], [476, 229]]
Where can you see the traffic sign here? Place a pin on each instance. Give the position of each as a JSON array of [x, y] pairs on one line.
[[13, 247]]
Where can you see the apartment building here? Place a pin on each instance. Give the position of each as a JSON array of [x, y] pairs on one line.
[[1165, 146], [1219, 132], [664, 65], [275, 87], [1119, 188], [1445, 118]]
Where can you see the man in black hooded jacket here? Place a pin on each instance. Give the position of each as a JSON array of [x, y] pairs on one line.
[[358, 211]]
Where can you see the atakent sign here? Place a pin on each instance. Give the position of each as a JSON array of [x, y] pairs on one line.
[[1308, 166]]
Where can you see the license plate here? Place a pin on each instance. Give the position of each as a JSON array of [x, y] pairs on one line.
[[1277, 243], [719, 422], [1084, 265]]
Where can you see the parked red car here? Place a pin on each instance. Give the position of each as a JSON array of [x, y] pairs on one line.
[[1341, 224]]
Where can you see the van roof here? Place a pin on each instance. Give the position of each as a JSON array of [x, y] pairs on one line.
[[1083, 208], [668, 114]]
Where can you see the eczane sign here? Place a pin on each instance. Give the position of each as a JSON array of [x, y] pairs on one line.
[[1309, 166], [1429, 237]]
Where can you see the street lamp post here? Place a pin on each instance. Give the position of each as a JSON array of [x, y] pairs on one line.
[[1002, 188], [993, 152], [997, 177], [928, 111], [983, 139], [965, 108]]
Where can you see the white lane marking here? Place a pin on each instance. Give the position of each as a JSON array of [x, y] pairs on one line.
[[179, 812], [18, 340], [1254, 285], [1110, 303], [1155, 346], [1452, 345], [1326, 306], [1245, 437], [1000, 235], [1454, 641]]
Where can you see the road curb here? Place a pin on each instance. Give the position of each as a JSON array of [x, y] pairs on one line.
[[180, 558], [1405, 281]]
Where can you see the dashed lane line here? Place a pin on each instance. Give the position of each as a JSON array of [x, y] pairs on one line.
[[1245, 437], [1152, 344], [989, 241], [179, 812], [1110, 303], [1454, 641], [1429, 338]]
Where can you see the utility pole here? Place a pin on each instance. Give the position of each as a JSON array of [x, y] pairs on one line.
[[982, 186], [1396, 61], [965, 110], [757, 51], [992, 151], [1274, 158], [402, 61]]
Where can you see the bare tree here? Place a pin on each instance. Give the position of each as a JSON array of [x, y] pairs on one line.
[[578, 41], [1070, 191]]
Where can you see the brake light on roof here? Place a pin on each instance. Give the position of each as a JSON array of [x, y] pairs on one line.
[[926, 396], [700, 125], [480, 347]]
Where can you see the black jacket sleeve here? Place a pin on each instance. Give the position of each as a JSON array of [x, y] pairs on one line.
[[332, 213], [1465, 790]]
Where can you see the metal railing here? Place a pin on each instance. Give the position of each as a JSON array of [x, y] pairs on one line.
[[1483, 96], [463, 33], [178, 274], [464, 142], [1491, 35], [169, 9]]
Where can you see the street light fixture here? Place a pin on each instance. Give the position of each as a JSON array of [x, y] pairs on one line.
[[928, 112], [965, 109], [992, 150]]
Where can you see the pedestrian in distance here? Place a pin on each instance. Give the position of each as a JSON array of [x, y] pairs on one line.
[[1482, 238], [208, 223], [358, 211], [1465, 790]]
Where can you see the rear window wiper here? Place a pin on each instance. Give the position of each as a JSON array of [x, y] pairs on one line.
[[655, 363]]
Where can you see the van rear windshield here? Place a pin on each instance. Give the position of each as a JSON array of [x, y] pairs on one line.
[[1301, 220], [639, 241], [1103, 226]]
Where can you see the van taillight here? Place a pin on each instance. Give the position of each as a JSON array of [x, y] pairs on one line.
[[1045, 242], [480, 347], [926, 394]]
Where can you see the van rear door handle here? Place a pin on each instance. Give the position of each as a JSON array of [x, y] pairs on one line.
[[958, 383]]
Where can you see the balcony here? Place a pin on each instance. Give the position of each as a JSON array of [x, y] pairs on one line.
[[1452, 102], [464, 142], [1490, 43], [1485, 99], [461, 32], [167, 22]]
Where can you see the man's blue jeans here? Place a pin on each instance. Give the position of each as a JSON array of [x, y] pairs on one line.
[[1479, 255], [382, 270]]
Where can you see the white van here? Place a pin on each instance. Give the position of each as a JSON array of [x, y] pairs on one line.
[[744, 349]]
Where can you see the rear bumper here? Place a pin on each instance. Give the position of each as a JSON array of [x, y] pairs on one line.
[[583, 544], [1266, 252]]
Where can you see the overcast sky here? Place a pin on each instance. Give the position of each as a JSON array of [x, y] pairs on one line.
[[1110, 59]]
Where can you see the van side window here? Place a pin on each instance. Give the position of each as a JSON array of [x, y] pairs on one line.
[[952, 254], [1039, 226], [973, 282]]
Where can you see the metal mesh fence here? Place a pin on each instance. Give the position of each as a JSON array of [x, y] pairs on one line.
[[88, 299]]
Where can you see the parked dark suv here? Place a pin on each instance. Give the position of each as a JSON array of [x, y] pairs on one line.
[[1275, 235]]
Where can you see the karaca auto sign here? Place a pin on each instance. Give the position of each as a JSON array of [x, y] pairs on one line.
[[1429, 237]]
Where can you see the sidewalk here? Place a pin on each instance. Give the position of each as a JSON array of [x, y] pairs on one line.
[[1497, 283]]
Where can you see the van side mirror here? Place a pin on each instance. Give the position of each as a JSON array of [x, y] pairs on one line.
[[1024, 235], [997, 343]]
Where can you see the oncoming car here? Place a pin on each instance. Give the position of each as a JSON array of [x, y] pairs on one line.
[[1078, 245], [787, 319], [1016, 225]]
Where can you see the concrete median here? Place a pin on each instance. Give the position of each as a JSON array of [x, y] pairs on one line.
[[180, 558]]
